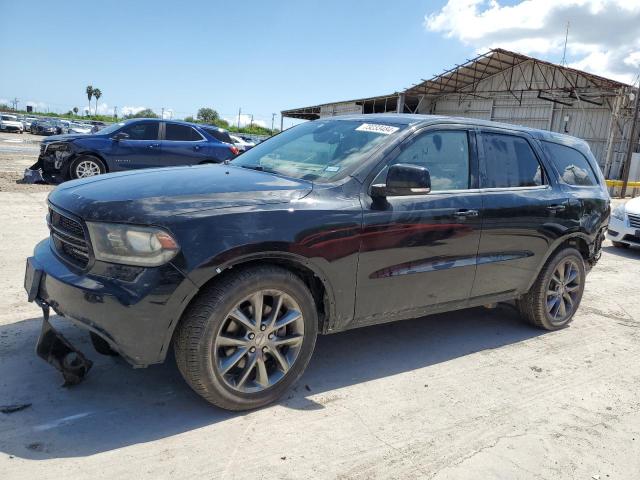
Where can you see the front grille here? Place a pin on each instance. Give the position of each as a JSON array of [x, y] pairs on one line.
[[68, 238], [634, 220]]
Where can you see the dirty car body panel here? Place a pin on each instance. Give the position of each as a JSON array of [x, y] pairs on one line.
[[376, 262]]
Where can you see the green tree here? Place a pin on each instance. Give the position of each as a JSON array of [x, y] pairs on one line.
[[208, 115], [97, 94], [146, 113], [89, 91], [75, 110], [189, 119]]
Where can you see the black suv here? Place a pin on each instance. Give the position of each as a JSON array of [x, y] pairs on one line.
[[331, 225]]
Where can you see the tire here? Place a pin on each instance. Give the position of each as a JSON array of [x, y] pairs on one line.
[[620, 244], [208, 323], [101, 346], [542, 308], [86, 166]]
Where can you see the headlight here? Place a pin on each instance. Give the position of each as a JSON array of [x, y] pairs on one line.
[[618, 212], [131, 245]]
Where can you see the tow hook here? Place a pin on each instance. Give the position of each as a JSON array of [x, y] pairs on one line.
[[56, 350]]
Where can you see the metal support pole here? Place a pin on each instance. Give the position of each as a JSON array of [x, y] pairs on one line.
[[632, 140], [612, 132], [400, 106], [281, 122]]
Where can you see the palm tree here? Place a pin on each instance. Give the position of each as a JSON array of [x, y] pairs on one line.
[[75, 111], [97, 94], [89, 93]]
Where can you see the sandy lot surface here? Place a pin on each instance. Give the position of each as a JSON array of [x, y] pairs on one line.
[[473, 394]]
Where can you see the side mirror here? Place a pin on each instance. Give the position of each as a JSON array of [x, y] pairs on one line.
[[120, 136], [404, 179]]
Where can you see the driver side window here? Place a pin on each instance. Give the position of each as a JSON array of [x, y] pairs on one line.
[[142, 131], [445, 154]]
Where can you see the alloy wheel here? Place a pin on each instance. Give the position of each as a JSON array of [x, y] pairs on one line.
[[563, 291], [87, 168], [259, 341]]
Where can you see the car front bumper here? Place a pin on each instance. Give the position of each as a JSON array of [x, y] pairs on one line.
[[625, 231], [136, 318]]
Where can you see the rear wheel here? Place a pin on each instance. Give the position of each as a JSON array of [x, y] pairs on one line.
[[619, 244], [554, 298], [248, 338], [87, 166]]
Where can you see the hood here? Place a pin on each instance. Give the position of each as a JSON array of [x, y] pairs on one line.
[[633, 206], [151, 196], [15, 123], [64, 138]]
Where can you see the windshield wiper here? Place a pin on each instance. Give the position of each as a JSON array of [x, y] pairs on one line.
[[259, 168]]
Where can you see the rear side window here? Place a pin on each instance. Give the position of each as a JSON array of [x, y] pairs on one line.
[[509, 162], [181, 133], [573, 166], [219, 135], [142, 131], [445, 154]]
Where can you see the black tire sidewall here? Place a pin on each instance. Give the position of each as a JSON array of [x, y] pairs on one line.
[[278, 279], [74, 164], [546, 278]]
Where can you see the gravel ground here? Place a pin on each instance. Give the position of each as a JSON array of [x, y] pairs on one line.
[[17, 153], [471, 394]]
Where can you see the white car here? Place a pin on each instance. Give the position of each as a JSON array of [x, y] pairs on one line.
[[79, 128], [241, 143], [26, 123], [10, 123], [624, 224]]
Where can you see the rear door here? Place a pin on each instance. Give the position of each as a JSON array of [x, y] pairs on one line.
[[523, 214], [140, 150], [419, 252], [183, 145]]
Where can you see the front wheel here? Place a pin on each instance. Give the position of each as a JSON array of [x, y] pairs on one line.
[[87, 166], [555, 296], [246, 339]]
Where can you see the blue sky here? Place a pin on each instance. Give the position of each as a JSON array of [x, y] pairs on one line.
[[260, 56], [264, 56]]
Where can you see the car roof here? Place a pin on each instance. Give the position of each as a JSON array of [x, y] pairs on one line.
[[424, 120]]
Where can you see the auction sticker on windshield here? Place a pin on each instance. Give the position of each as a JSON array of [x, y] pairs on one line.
[[377, 128]]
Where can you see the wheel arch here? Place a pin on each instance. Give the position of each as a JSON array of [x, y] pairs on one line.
[[579, 241], [89, 153], [310, 274]]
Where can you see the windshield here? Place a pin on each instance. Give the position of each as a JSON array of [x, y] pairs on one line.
[[111, 128], [322, 150]]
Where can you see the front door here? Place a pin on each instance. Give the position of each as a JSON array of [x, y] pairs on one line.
[[141, 149], [418, 253]]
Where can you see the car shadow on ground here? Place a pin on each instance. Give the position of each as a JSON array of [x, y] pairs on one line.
[[119, 406], [630, 252]]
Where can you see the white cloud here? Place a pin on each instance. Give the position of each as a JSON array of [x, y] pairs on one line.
[[245, 120], [604, 35], [167, 113], [103, 108], [127, 110], [37, 106]]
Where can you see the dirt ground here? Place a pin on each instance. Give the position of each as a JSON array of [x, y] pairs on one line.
[[473, 394]]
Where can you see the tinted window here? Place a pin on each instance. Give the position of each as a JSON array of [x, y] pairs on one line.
[[509, 162], [572, 165], [142, 131], [181, 133], [219, 135], [445, 154]]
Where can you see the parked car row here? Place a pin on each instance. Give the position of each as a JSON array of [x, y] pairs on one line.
[[10, 123], [333, 224]]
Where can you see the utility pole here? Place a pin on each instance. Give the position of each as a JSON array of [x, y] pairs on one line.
[[251, 124], [15, 102], [115, 112], [239, 113], [564, 53], [273, 118], [632, 138], [162, 114]]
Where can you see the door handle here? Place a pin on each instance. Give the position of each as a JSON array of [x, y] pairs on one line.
[[153, 145], [196, 148], [556, 208], [463, 213]]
